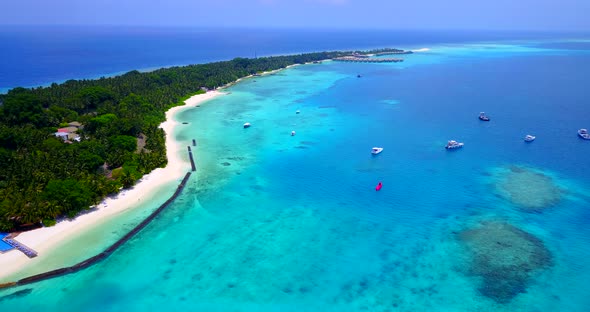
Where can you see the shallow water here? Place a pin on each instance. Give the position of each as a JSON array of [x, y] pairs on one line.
[[273, 222]]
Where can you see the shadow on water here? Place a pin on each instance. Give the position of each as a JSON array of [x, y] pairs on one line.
[[17, 294]]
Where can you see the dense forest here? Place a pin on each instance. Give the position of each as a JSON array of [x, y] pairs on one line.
[[65, 147]]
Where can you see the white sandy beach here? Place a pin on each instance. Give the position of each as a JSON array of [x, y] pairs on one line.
[[51, 238]]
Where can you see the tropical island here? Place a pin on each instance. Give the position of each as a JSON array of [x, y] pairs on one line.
[[67, 146]]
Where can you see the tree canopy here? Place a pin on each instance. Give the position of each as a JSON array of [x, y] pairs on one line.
[[42, 177]]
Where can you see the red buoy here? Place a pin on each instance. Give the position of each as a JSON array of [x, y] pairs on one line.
[[378, 187]]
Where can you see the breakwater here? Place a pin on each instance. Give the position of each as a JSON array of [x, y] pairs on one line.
[[103, 255], [190, 156]]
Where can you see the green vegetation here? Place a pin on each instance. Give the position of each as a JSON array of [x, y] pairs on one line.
[[42, 177]]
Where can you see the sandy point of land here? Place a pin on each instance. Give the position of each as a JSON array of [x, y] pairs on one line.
[[51, 238]]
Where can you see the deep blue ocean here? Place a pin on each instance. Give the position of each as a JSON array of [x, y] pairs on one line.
[[274, 222], [40, 55]]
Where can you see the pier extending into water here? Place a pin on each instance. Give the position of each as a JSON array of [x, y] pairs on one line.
[[394, 52], [29, 252], [357, 59], [103, 255]]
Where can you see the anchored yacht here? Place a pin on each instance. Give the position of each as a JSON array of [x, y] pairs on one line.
[[452, 144], [376, 150], [482, 116]]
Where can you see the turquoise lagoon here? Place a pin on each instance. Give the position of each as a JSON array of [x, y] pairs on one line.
[[273, 222]]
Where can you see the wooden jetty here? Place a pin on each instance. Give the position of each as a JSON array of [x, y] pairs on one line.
[[357, 59], [29, 252], [394, 52]]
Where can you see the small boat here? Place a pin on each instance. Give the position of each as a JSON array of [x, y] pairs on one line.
[[583, 133], [247, 125], [452, 144], [482, 116], [292, 133], [529, 138], [297, 112], [379, 186], [376, 150], [358, 76]]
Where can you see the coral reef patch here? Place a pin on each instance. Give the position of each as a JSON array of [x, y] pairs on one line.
[[529, 189], [505, 257]]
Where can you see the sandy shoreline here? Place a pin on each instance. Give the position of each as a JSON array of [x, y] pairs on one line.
[[51, 239]]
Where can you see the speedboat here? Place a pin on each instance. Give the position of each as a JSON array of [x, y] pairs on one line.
[[292, 133], [379, 186], [247, 125], [452, 144], [482, 116], [583, 133], [376, 150], [297, 112], [529, 138]]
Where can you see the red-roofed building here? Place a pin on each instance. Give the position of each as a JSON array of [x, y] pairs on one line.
[[67, 134]]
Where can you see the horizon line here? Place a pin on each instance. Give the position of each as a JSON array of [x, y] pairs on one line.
[[296, 27]]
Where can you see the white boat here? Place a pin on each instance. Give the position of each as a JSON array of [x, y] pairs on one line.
[[297, 112], [292, 133], [583, 133], [529, 138], [247, 125], [452, 144], [376, 150]]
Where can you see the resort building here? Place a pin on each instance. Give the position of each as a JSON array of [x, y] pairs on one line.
[[68, 134]]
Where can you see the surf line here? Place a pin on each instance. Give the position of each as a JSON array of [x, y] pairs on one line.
[[103, 255]]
